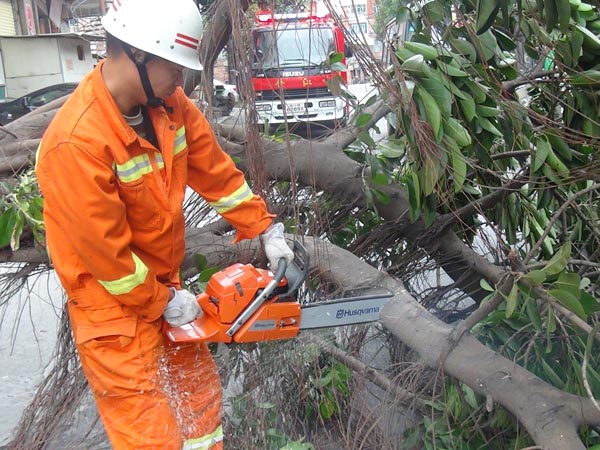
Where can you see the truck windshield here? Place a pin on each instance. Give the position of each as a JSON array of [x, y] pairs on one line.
[[292, 47]]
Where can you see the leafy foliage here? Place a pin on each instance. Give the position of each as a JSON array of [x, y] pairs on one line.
[[21, 212]]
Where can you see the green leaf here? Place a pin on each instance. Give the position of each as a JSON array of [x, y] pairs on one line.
[[429, 175], [432, 110], [487, 111], [511, 300], [391, 148], [429, 52], [464, 48], [17, 231], [550, 14], [542, 150], [569, 281], [298, 445], [469, 396], [363, 119], [7, 225], [460, 134], [414, 191], [550, 322], [327, 408], [590, 40], [207, 273], [434, 11], [336, 57], [468, 107], [589, 303], [536, 277], [488, 126], [487, 10], [380, 179], [564, 14], [451, 70], [439, 91], [533, 313], [366, 139], [589, 77], [576, 45], [551, 374], [486, 286], [460, 168], [488, 45], [338, 67], [559, 261], [200, 261], [416, 65], [569, 301]]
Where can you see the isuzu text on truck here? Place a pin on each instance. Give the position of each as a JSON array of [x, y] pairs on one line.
[[290, 69]]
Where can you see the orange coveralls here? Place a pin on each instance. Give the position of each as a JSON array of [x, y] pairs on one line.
[[115, 234]]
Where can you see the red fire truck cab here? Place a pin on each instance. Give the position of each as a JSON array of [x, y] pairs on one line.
[[290, 69]]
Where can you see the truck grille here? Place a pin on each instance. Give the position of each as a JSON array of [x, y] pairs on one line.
[[290, 94]]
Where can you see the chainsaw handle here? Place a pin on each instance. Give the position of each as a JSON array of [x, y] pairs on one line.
[[296, 271], [282, 265]]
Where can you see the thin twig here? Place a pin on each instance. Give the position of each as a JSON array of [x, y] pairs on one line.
[[555, 217], [588, 349]]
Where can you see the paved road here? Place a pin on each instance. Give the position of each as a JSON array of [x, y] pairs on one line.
[[27, 336]]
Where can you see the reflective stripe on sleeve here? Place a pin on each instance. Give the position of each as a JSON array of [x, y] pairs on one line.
[[204, 442], [232, 201], [128, 282], [180, 141]]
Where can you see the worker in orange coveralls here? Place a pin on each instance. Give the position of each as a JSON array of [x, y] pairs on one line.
[[113, 168]]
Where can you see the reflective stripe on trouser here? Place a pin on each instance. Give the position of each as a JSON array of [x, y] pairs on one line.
[[205, 442], [152, 394]]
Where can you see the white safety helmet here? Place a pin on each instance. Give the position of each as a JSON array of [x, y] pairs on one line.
[[169, 29]]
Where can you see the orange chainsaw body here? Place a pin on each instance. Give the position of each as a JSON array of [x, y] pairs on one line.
[[228, 294]]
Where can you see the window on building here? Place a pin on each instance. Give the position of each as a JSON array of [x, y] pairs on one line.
[[353, 10], [359, 28]]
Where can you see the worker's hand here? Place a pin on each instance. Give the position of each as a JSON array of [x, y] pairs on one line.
[[275, 245], [182, 308]]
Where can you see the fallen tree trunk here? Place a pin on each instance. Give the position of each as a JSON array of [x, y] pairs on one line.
[[551, 417]]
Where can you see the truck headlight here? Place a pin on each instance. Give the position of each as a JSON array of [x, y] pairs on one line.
[[263, 107], [327, 104]]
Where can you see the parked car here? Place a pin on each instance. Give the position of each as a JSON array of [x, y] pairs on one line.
[[224, 99], [13, 109], [225, 90], [226, 96]]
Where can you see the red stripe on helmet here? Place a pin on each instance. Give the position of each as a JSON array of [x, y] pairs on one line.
[[187, 38], [187, 44]]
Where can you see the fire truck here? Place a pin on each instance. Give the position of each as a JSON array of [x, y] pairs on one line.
[[290, 69]]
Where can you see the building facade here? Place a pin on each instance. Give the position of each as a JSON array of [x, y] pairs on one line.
[[359, 19]]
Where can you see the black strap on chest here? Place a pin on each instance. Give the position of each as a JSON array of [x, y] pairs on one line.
[[149, 132]]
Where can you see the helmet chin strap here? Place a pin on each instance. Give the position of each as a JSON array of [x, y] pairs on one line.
[[153, 101]]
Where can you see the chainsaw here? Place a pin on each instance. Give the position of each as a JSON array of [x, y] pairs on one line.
[[243, 303]]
